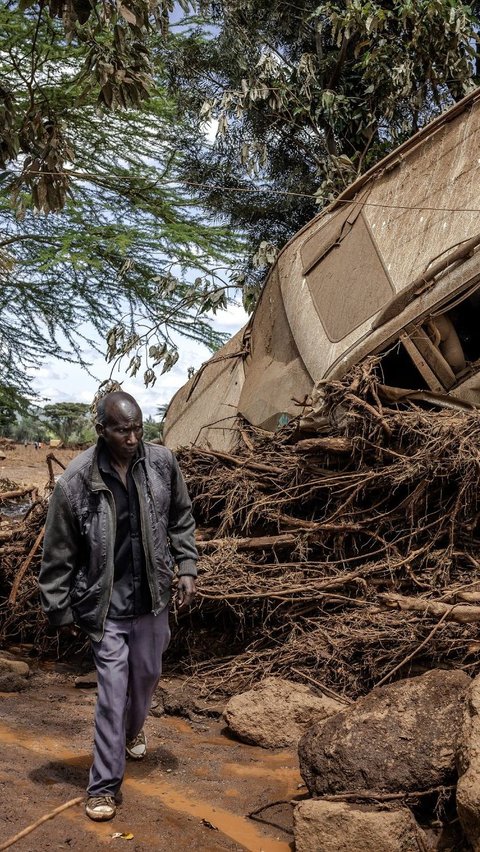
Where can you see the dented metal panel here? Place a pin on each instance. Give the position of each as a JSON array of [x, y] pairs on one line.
[[351, 284], [204, 410], [278, 379]]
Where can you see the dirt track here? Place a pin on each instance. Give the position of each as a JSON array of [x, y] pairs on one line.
[[193, 792], [194, 777], [28, 466]]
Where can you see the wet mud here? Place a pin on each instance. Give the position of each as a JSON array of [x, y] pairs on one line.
[[194, 790]]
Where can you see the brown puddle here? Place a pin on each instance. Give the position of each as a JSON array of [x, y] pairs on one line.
[[182, 801], [281, 773], [238, 828]]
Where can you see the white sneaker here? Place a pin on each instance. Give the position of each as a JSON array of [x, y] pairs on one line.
[[100, 808], [137, 748]]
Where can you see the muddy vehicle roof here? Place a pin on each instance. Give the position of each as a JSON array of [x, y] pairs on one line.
[[391, 251]]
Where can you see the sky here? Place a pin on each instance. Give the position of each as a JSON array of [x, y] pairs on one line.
[[60, 381]]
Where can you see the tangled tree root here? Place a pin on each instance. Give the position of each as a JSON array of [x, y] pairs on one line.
[[343, 559]]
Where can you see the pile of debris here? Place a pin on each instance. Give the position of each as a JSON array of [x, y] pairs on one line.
[[22, 524], [344, 559], [341, 560], [21, 535]]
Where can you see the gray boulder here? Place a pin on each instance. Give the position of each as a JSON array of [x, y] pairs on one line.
[[400, 737], [321, 826], [276, 712]]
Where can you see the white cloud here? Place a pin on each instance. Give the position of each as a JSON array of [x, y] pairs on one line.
[[230, 320], [60, 381], [211, 129]]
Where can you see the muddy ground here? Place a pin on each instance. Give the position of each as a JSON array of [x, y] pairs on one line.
[[194, 790], [28, 466]]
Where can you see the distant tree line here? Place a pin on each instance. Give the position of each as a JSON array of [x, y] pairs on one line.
[[69, 422]]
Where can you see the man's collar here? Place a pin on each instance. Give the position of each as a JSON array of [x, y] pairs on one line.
[[104, 458]]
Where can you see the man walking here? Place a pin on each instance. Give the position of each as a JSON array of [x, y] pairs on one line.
[[119, 517]]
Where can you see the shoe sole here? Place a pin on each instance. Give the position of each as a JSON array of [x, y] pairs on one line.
[[135, 756], [99, 817]]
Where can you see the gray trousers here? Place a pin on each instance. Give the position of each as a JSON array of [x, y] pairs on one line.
[[129, 663]]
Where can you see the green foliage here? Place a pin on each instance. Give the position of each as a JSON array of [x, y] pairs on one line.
[[123, 246], [103, 116], [69, 421], [11, 403], [307, 96], [152, 430], [29, 426], [84, 435], [95, 51]]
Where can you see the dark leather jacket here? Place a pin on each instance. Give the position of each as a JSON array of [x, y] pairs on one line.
[[77, 569]]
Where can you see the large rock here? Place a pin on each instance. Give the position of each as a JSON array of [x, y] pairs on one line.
[[12, 682], [401, 737], [276, 712], [10, 665], [340, 827], [176, 698], [468, 788]]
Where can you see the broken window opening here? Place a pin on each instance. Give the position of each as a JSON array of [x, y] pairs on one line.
[[438, 352], [397, 369], [465, 317]]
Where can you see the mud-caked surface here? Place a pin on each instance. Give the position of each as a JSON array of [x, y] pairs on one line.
[[400, 737], [192, 792], [28, 466]]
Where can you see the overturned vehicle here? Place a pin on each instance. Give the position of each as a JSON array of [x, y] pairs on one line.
[[391, 268]]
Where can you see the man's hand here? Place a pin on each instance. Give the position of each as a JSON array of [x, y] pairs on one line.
[[186, 591], [69, 631]]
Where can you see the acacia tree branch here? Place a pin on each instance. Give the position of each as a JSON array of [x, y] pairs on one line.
[[34, 56], [23, 238]]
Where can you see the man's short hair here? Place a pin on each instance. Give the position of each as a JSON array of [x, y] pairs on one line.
[[105, 403]]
